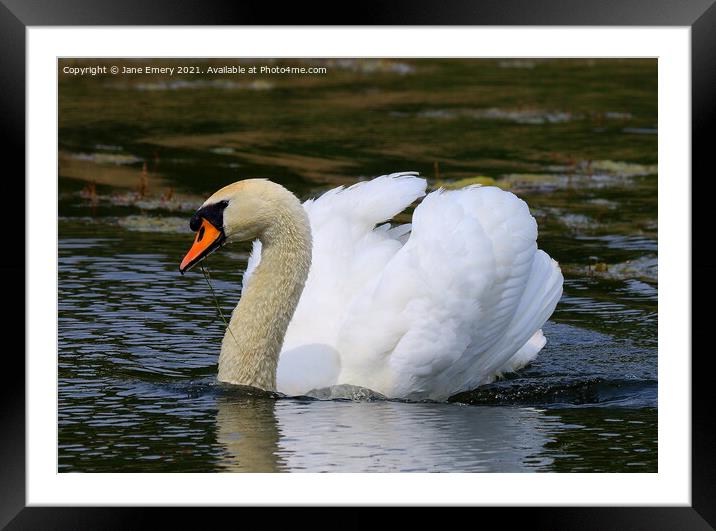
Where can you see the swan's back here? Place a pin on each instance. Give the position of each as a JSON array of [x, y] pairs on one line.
[[421, 312]]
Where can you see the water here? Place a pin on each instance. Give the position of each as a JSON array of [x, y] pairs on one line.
[[138, 343]]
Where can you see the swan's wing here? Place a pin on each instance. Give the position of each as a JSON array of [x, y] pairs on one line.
[[349, 251], [346, 217], [456, 303]]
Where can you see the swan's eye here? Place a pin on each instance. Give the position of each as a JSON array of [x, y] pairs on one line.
[[213, 213], [201, 234]]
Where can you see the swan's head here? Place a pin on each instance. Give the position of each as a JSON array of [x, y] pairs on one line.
[[241, 211]]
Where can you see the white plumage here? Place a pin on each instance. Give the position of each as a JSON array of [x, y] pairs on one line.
[[421, 311]]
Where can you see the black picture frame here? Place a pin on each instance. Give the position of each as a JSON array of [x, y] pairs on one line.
[[17, 15]]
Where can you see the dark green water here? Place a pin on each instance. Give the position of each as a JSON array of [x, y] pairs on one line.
[[138, 343]]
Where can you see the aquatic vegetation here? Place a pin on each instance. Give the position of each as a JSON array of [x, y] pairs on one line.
[[528, 64], [615, 115], [548, 181], [578, 221], [519, 116], [481, 180], [196, 84], [106, 158], [143, 223], [641, 130], [369, 66], [166, 201], [138, 199], [223, 150], [619, 168], [584, 179], [644, 268], [602, 202]]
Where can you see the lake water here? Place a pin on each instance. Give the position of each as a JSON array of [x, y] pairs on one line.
[[138, 342]]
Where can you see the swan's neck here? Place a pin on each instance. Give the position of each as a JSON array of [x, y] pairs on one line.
[[252, 343]]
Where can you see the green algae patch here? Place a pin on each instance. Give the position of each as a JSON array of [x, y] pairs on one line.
[[479, 180]]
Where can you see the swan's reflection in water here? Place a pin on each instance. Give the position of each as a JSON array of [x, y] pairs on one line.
[[342, 436], [248, 430]]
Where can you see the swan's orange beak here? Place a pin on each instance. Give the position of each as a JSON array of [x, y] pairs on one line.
[[208, 239]]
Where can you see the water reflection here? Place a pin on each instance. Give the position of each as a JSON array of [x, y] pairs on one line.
[[263, 435], [249, 432], [328, 436]]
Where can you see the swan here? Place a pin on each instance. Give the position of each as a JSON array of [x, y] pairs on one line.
[[335, 294]]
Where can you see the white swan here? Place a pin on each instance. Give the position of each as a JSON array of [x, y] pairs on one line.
[[421, 311]]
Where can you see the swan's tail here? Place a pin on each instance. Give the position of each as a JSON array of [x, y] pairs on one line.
[[543, 291]]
